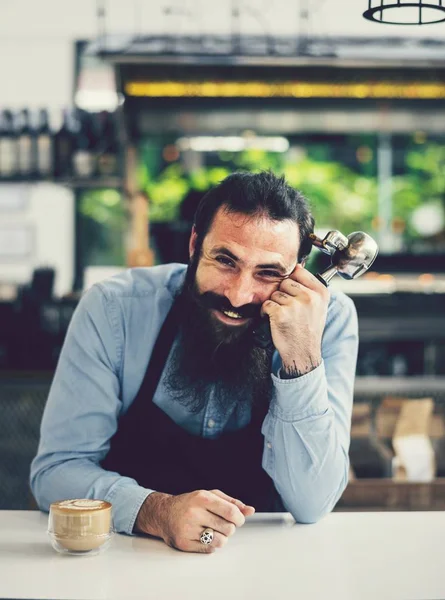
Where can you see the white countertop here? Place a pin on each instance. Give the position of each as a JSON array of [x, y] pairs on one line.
[[357, 556]]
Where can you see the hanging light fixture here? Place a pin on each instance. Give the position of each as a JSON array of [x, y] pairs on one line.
[[405, 12]]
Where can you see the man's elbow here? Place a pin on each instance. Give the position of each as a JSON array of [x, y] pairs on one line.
[[312, 511], [310, 515]]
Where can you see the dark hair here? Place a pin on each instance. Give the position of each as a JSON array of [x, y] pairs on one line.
[[257, 194]]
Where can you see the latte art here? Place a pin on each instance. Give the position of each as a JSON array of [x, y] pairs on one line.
[[83, 504]]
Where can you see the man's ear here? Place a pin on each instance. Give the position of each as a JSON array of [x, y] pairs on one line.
[[192, 242]]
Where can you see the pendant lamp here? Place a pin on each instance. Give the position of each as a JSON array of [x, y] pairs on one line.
[[405, 12]]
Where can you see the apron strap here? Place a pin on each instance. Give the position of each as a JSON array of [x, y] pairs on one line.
[[161, 350]]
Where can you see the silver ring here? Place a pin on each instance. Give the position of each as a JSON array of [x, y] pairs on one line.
[[206, 536]]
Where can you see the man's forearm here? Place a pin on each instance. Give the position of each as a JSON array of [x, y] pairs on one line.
[[310, 469], [306, 443], [83, 479]]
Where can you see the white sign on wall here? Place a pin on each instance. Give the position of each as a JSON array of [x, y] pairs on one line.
[[16, 242], [13, 197]]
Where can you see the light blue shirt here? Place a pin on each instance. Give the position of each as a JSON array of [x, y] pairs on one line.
[[101, 367]]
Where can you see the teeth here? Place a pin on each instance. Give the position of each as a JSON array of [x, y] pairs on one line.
[[231, 314]]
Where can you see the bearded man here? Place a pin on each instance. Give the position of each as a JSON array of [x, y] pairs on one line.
[[166, 401]]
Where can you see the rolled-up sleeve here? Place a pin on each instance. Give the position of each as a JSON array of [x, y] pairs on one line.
[[307, 429]]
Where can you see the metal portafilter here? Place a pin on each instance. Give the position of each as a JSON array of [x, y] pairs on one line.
[[351, 256]]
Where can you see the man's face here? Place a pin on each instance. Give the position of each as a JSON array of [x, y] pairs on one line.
[[242, 262]]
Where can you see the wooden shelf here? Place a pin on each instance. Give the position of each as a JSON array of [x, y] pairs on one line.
[[393, 329], [414, 386]]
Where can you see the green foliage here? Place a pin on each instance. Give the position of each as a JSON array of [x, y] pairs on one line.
[[259, 160], [427, 169], [423, 183], [103, 206], [166, 193], [340, 197], [102, 227], [168, 189]]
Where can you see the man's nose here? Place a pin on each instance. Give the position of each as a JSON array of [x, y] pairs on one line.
[[240, 291]]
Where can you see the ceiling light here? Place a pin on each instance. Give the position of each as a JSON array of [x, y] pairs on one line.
[[233, 143], [405, 12]]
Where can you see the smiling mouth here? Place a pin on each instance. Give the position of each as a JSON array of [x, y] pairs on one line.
[[230, 316]]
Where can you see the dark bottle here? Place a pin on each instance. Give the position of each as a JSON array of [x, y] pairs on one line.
[[63, 148], [44, 158], [84, 157], [8, 146], [26, 145], [108, 146]]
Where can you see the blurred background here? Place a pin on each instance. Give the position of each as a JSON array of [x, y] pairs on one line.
[[116, 117]]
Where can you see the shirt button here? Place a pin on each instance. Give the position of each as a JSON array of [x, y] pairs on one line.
[[269, 445], [211, 423]]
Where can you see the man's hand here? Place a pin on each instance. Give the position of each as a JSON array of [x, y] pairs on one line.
[[180, 520], [297, 312]]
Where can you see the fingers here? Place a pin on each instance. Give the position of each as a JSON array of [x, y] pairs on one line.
[[195, 545], [281, 298], [300, 284], [303, 276], [219, 540], [269, 307], [196, 511], [248, 510], [221, 507], [244, 508], [290, 287], [278, 299], [218, 524]]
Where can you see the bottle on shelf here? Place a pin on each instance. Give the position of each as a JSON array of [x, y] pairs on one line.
[[84, 157], [26, 145], [108, 145], [63, 147], [44, 158], [8, 146]]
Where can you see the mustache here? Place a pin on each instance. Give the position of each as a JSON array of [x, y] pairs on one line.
[[210, 300]]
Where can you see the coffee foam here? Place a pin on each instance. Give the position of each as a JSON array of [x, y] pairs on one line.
[[79, 504]]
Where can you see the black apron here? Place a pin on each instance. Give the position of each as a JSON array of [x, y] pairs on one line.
[[159, 454]]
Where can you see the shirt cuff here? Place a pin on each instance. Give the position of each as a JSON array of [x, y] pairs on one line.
[[299, 398], [126, 501]]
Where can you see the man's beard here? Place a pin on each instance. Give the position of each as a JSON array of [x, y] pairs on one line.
[[213, 358]]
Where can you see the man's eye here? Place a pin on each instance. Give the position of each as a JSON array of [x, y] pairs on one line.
[[225, 261], [271, 274]]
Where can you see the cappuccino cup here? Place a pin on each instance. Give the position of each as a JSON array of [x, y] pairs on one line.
[[80, 526]]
